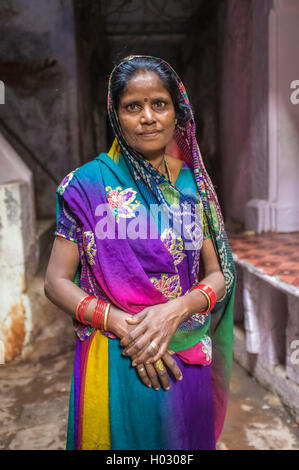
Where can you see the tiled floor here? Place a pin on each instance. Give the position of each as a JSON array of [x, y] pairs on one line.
[[276, 253]]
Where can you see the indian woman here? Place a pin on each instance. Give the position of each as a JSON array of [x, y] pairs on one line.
[[142, 263]]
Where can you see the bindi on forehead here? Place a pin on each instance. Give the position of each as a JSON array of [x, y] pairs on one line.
[[145, 100]]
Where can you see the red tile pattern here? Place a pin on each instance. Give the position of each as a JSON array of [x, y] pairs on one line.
[[276, 253]]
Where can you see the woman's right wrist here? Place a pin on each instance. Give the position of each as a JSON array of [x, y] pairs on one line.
[[112, 319], [111, 322]]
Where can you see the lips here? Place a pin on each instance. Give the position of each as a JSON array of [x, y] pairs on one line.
[[150, 133]]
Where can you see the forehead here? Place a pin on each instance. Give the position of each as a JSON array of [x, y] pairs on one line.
[[143, 84]]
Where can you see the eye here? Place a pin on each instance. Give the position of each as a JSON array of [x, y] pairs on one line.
[[132, 107], [160, 104]]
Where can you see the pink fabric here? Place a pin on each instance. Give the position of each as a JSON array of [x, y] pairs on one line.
[[197, 354]]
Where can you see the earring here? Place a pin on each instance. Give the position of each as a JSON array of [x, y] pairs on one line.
[[175, 122]]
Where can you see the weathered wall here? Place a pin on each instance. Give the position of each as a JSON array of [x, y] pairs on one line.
[[275, 118], [200, 51], [283, 115], [235, 106], [15, 316], [92, 73], [38, 67]]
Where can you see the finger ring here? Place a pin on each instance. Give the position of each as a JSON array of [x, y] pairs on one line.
[[141, 369], [159, 364], [153, 345]]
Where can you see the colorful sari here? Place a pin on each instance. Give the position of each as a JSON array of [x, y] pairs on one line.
[[134, 252]]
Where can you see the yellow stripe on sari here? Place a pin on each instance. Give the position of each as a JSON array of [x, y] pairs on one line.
[[96, 428], [114, 151]]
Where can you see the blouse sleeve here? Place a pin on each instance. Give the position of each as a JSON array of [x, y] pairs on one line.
[[66, 223]]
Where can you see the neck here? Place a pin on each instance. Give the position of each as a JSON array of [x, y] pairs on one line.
[[156, 159]]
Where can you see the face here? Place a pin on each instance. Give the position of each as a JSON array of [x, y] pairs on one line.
[[146, 114]]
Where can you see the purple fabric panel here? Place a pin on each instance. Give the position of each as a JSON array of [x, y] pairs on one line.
[[193, 409], [187, 165], [77, 385]]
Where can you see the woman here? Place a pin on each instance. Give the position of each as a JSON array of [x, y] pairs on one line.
[[141, 232]]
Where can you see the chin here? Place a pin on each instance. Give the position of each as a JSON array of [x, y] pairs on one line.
[[151, 152], [152, 148]]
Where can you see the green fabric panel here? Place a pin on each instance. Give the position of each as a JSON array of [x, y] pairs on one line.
[[70, 443]]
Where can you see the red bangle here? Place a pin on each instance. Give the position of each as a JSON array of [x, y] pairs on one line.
[[99, 314], [204, 288], [81, 307], [96, 315]]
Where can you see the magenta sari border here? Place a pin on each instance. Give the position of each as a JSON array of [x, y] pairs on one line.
[[77, 382], [84, 358]]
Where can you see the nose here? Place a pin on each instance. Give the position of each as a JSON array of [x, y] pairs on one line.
[[148, 115]]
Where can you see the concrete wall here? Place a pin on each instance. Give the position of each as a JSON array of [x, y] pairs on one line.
[[15, 315], [15, 173], [235, 107], [274, 203], [18, 250], [284, 115], [38, 67]]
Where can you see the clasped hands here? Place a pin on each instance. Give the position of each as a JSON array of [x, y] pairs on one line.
[[147, 340]]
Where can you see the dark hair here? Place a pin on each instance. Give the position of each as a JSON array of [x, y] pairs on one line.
[[126, 71]]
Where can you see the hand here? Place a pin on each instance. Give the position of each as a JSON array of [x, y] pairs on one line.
[[153, 326], [150, 374], [117, 322]]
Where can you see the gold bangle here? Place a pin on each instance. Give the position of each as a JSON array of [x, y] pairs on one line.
[[208, 299], [106, 316]]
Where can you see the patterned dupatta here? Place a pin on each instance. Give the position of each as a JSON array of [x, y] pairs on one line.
[[136, 273]]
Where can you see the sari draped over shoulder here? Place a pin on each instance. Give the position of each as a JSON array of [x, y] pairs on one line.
[[139, 238]]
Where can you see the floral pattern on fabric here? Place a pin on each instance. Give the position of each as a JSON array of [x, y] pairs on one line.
[[199, 209], [121, 202], [227, 265], [199, 318], [83, 332], [194, 230], [174, 244], [65, 182], [214, 216], [169, 286], [89, 246], [206, 347], [171, 194]]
